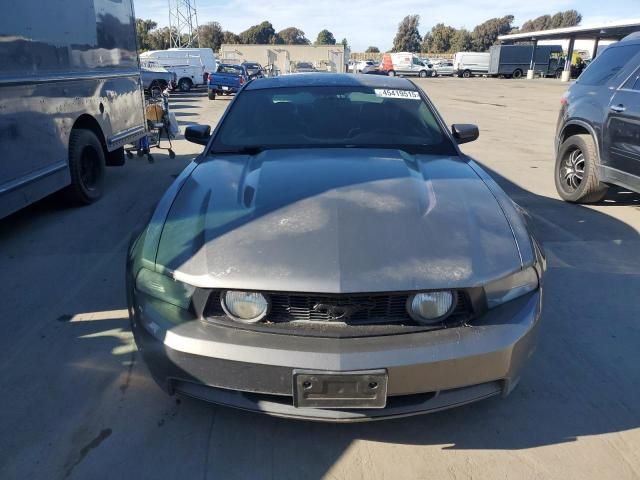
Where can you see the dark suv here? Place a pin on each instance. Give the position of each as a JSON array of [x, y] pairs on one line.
[[598, 132]]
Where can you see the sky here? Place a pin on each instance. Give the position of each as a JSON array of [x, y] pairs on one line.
[[375, 22]]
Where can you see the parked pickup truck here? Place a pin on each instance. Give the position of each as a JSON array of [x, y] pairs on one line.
[[227, 80], [156, 77]]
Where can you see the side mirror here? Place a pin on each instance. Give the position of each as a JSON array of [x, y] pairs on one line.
[[465, 132], [199, 134]]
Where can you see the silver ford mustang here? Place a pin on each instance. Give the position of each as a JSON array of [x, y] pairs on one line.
[[332, 255]]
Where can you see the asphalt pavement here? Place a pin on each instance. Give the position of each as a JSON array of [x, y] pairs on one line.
[[78, 402]]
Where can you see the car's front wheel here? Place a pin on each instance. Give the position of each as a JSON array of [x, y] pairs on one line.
[[575, 171]]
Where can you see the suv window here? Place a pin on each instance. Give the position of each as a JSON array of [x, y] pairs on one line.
[[608, 64], [634, 81]]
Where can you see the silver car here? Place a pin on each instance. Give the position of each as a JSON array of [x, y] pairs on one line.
[[335, 258], [443, 68]]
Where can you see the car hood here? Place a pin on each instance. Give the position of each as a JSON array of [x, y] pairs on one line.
[[336, 220]]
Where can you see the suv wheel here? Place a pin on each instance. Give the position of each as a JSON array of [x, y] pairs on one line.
[[575, 171]]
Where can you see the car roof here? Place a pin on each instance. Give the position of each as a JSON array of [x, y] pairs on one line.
[[230, 65], [330, 80]]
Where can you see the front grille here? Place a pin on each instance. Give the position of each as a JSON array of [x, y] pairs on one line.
[[364, 309]]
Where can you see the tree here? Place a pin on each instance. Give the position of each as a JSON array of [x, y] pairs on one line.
[[211, 35], [486, 34], [461, 41], [571, 18], [372, 50], [260, 34], [345, 43], [143, 28], [568, 18], [440, 38], [160, 39], [426, 47], [230, 38], [325, 37], [408, 37], [293, 36]]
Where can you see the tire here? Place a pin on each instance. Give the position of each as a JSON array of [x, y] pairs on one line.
[[391, 73], [575, 171], [517, 73], [184, 85], [86, 166], [211, 94], [115, 158], [466, 74], [422, 74], [435, 74]]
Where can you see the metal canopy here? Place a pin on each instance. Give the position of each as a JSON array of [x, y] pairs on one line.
[[606, 31]]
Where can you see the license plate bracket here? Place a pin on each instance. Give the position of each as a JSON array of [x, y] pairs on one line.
[[322, 389]]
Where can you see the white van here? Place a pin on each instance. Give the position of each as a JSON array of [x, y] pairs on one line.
[[206, 55], [468, 64], [188, 69], [405, 63]]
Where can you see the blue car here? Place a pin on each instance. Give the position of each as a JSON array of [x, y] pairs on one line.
[[226, 80]]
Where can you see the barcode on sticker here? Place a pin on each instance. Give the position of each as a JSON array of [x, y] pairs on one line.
[[406, 94]]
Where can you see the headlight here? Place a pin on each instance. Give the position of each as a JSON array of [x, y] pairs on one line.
[[431, 307], [513, 286], [165, 288], [245, 307]]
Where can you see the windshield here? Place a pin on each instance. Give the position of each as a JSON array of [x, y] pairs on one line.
[[331, 116], [230, 69]]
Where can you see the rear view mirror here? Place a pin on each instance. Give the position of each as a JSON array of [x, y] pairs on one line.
[[199, 134], [465, 132]]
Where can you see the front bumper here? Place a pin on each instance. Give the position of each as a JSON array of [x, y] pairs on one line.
[[427, 371]]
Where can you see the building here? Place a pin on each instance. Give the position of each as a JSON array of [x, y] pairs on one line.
[[285, 58], [612, 31]]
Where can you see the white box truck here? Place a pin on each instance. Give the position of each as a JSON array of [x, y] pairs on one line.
[[468, 64], [188, 68], [405, 63]]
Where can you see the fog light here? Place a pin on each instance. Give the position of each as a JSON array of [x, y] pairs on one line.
[[431, 307], [245, 307]]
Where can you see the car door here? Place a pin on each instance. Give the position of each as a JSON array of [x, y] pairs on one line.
[[622, 128]]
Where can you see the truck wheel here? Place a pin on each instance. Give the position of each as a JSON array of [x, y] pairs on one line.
[[466, 74], [422, 74], [87, 167], [185, 85], [211, 94], [517, 73], [391, 73], [575, 171]]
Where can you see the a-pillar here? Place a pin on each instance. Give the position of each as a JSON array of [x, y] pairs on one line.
[[566, 74]]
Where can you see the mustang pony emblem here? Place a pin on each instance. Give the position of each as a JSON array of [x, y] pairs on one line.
[[339, 312]]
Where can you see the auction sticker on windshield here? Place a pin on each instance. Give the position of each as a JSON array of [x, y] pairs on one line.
[[406, 94]]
